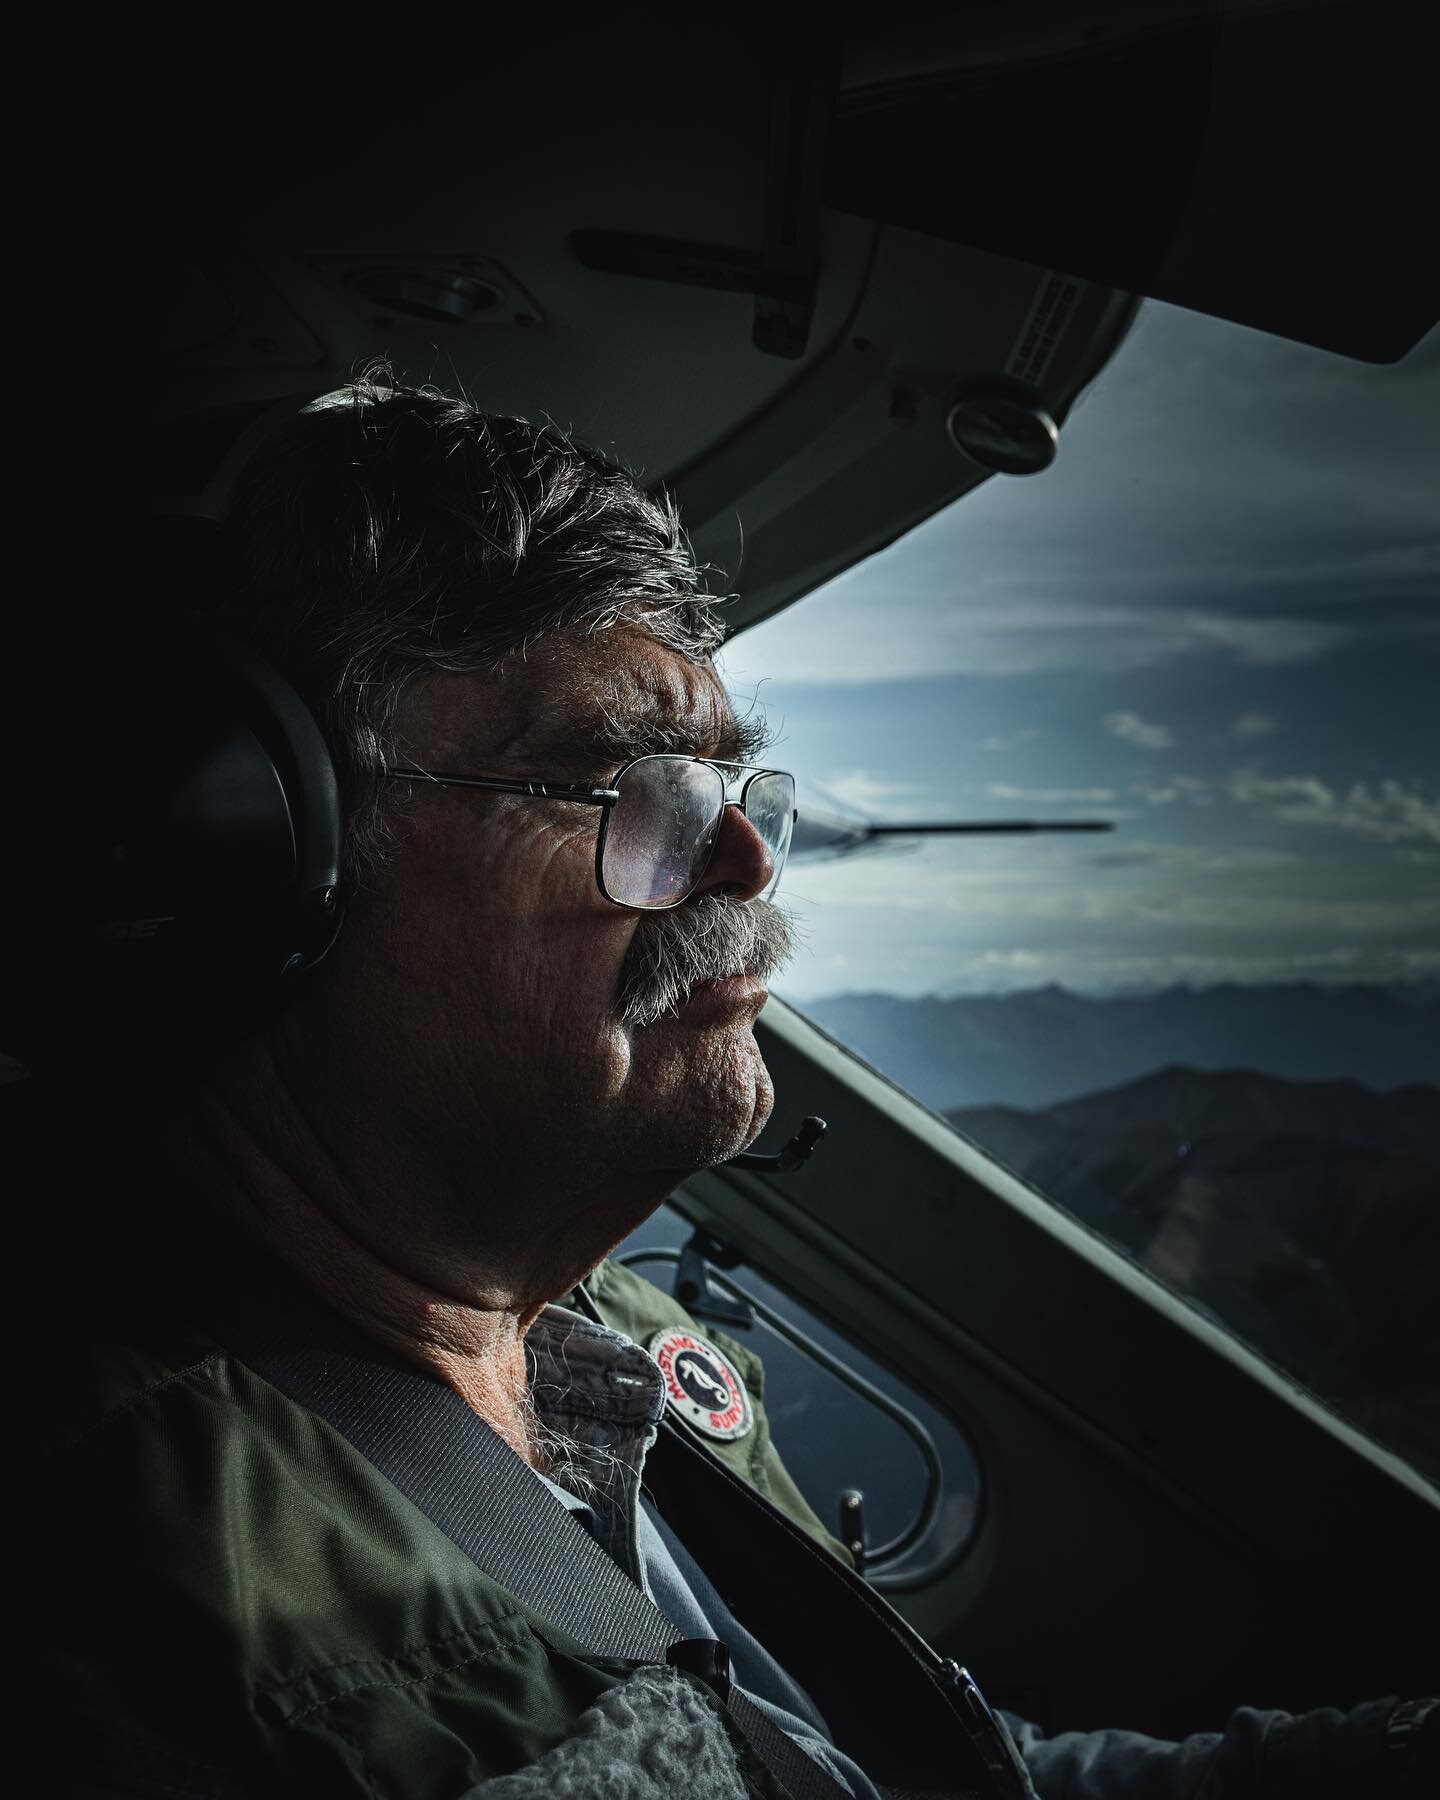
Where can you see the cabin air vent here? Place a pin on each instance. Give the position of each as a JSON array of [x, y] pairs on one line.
[[443, 299], [1005, 427], [438, 287]]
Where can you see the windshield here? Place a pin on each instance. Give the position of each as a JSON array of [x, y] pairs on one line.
[[1212, 1033]]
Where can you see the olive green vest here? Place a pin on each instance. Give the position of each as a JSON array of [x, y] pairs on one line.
[[250, 1584]]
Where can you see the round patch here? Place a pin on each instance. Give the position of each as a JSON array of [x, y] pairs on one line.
[[703, 1386]]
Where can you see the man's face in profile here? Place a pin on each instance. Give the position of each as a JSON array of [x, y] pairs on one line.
[[481, 969]]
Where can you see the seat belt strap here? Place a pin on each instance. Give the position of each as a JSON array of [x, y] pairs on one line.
[[841, 1639]]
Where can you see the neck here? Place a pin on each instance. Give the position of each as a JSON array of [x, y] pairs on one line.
[[246, 1142]]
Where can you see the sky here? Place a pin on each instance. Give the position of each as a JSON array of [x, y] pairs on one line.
[[1215, 620]]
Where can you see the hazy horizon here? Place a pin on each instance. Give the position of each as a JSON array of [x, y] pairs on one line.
[[1427, 985]]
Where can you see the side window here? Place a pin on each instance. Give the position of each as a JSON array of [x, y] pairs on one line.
[[875, 1460], [1211, 1030]]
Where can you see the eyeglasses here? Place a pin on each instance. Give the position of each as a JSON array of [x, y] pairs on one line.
[[661, 820]]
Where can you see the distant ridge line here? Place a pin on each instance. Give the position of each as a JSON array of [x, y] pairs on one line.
[[1033, 1047]]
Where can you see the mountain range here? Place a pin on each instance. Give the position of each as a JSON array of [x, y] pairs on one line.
[[1041, 1045], [1305, 1215], [1272, 1153]]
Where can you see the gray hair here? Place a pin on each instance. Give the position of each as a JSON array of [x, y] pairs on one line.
[[388, 533]]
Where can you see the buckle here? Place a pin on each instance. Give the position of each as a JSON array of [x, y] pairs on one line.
[[990, 1736], [706, 1657]]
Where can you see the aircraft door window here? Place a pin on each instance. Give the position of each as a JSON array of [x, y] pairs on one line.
[[880, 1465]]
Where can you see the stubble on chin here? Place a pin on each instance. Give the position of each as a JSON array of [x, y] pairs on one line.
[[695, 1099]]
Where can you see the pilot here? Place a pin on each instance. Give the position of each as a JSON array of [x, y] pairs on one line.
[[352, 1393]]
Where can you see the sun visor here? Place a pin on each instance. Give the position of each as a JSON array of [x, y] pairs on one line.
[[1267, 165]]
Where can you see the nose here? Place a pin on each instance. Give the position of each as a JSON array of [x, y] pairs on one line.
[[740, 864]]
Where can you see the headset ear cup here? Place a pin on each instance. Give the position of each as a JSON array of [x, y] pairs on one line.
[[213, 846], [285, 725], [306, 772]]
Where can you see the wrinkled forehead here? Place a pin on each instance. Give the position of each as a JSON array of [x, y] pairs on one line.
[[648, 698], [578, 698]]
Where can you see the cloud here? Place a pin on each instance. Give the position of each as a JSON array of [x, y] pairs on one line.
[[1011, 740], [957, 918], [1191, 788], [867, 793], [901, 622], [1047, 796], [1252, 725], [998, 892], [1389, 811], [1262, 641], [1196, 858], [1130, 728]]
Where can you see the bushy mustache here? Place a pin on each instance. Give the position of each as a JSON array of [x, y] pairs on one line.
[[701, 940]]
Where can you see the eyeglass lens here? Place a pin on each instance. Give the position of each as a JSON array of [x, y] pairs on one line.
[[770, 808], [663, 827]]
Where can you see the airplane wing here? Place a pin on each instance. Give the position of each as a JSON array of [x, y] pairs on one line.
[[820, 834]]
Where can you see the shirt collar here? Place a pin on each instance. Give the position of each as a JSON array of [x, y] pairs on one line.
[[603, 1396], [580, 1370]]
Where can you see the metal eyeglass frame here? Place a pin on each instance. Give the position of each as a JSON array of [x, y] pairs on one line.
[[606, 797]]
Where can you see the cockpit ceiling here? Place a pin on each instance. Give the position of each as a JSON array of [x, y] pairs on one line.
[[733, 274], [787, 469]]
